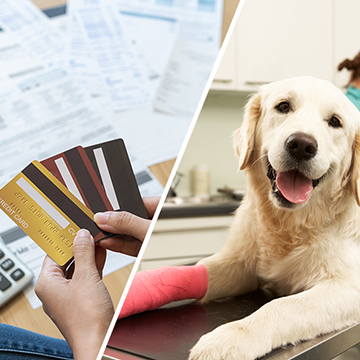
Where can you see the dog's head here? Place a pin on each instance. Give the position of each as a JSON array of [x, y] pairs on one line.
[[303, 134]]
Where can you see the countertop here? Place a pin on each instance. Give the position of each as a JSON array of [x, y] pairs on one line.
[[194, 207]]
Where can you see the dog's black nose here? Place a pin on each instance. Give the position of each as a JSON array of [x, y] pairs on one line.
[[301, 146]]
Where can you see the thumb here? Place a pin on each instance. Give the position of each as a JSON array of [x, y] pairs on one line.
[[84, 253]]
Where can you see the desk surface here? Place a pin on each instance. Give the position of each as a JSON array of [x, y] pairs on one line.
[[19, 312]]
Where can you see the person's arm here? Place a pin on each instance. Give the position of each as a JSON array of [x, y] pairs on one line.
[[80, 307]]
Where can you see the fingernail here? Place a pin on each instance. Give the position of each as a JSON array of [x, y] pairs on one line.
[[83, 233], [101, 218]]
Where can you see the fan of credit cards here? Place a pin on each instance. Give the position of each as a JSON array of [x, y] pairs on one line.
[[53, 199]]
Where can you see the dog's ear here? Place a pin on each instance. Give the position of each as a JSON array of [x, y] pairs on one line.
[[356, 169], [244, 137]]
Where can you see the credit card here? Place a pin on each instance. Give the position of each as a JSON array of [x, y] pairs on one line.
[[47, 211], [74, 170], [112, 165]]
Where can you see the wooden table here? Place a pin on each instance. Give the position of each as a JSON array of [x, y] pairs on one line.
[[19, 312]]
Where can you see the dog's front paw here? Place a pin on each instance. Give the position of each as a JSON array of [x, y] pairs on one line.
[[232, 341]]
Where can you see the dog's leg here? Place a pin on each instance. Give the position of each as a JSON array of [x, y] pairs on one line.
[[324, 308], [231, 271]]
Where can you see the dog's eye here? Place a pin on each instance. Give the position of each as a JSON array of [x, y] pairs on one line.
[[335, 122], [283, 107]]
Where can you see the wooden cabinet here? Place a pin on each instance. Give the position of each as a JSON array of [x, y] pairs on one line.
[[278, 39]]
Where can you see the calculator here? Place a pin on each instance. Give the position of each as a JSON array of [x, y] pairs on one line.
[[14, 275]]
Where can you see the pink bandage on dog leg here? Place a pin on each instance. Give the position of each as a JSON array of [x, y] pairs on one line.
[[154, 288]]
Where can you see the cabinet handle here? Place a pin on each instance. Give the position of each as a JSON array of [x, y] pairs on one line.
[[223, 81], [249, 82]]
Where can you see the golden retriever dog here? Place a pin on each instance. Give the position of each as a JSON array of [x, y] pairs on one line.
[[297, 229]]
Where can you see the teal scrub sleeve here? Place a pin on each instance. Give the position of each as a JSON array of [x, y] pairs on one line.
[[353, 95]]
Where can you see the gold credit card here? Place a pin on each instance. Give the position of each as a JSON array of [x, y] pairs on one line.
[[47, 211]]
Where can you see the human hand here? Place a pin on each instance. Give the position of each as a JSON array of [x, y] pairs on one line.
[[80, 307], [132, 228]]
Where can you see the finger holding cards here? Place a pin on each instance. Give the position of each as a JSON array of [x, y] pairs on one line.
[[132, 228], [100, 259], [124, 244], [81, 306], [151, 204]]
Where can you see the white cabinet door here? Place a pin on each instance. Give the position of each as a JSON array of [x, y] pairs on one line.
[[279, 39], [225, 77], [346, 36], [183, 241]]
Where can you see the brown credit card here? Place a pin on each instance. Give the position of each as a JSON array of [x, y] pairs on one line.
[[47, 211], [112, 165], [74, 170]]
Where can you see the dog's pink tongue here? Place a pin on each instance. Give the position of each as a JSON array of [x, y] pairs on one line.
[[294, 186]]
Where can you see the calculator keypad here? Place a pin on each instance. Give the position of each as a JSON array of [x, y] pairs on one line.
[[14, 275]]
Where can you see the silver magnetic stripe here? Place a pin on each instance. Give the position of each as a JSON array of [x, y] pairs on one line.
[[69, 181], [106, 178]]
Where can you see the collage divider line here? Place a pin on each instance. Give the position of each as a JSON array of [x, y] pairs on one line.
[[171, 177]]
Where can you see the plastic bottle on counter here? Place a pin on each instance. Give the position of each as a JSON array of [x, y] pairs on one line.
[[201, 181]]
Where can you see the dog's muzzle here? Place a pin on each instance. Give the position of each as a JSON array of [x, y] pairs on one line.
[[290, 187]]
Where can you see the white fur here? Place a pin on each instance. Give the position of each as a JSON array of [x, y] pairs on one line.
[[309, 252]]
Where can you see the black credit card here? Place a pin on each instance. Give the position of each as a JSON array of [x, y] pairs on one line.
[[112, 165]]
